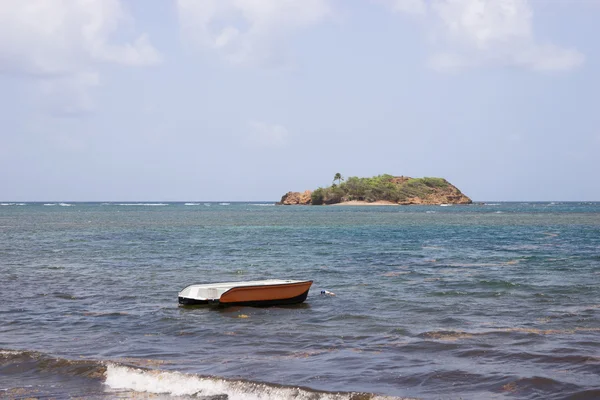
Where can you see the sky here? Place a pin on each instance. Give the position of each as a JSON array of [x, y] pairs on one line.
[[245, 100]]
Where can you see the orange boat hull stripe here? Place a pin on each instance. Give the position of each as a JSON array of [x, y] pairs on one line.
[[261, 293]]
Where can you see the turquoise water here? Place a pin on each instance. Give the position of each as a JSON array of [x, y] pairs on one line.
[[483, 301]]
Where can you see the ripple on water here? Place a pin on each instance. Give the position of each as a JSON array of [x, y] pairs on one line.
[[460, 303]]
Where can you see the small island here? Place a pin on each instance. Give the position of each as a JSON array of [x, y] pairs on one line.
[[380, 190]]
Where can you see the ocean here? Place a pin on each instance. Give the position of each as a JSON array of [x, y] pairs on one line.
[[485, 301]]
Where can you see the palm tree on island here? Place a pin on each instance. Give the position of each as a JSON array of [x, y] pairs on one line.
[[338, 177]]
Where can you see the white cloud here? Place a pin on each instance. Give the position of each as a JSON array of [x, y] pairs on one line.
[[473, 33], [63, 42], [267, 135], [247, 31]]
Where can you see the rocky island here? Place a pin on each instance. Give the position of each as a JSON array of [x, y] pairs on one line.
[[380, 190]]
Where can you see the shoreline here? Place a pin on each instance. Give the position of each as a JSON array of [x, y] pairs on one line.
[[365, 203]]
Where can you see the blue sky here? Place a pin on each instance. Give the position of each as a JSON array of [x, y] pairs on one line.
[[248, 99]]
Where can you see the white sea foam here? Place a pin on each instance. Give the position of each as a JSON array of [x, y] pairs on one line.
[[263, 204], [192, 204], [492, 204], [178, 384], [7, 204], [207, 204], [11, 352], [49, 204], [65, 204], [224, 204], [445, 205]]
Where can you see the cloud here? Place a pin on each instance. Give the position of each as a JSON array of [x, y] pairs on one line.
[[475, 33], [267, 135], [248, 31], [62, 43]]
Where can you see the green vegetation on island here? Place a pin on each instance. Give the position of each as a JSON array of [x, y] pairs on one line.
[[382, 189]]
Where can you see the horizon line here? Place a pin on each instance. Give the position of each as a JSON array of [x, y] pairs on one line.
[[266, 201]]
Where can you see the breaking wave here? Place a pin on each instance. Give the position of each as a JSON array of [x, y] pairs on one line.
[[137, 377], [178, 384]]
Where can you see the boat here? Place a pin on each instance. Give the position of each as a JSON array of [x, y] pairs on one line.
[[269, 292]]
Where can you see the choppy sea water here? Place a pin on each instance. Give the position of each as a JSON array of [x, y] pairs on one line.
[[494, 301]]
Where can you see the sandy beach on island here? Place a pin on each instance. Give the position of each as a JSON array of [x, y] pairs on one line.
[[366, 203]]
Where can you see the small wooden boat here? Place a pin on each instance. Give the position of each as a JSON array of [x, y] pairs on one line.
[[268, 292]]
